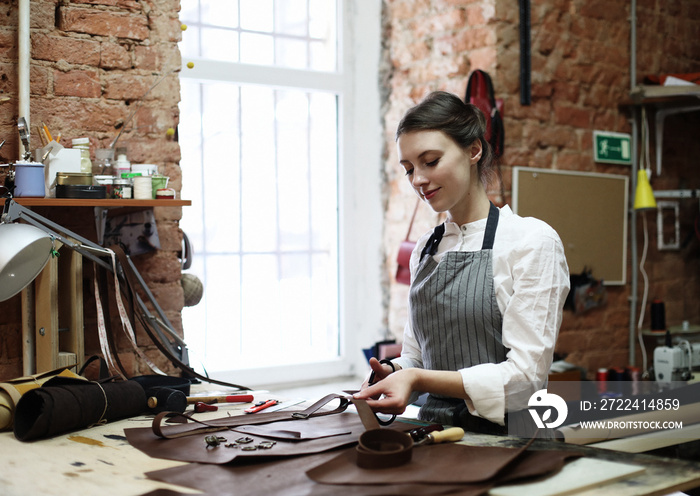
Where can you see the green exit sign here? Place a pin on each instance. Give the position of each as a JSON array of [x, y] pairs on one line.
[[612, 148]]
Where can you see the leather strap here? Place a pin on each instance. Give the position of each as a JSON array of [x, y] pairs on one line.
[[131, 284], [194, 426], [377, 447], [384, 448]]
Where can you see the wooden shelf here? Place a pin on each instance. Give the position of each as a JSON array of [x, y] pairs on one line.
[[662, 96], [80, 202]]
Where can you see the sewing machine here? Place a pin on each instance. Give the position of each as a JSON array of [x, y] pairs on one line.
[[676, 362]]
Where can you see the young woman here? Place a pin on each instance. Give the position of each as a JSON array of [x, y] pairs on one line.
[[487, 291]]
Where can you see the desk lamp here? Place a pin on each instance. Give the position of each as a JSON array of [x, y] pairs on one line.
[[25, 250]]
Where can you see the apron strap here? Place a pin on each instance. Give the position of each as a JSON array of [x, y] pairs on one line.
[[491, 225], [431, 246]]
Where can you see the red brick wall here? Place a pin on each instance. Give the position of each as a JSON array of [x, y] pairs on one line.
[[91, 61], [580, 75]]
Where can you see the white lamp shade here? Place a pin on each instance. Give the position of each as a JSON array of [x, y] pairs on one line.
[[24, 251]]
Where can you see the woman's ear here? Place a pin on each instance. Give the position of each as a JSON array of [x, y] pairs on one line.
[[475, 151]]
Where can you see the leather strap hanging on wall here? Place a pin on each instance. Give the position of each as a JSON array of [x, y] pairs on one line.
[[111, 362], [403, 271], [130, 287]]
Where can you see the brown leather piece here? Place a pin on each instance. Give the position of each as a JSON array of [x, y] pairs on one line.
[[309, 468], [437, 464], [193, 426], [287, 476], [193, 448]]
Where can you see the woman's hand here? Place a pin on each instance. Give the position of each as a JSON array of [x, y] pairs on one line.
[[390, 395], [379, 370]]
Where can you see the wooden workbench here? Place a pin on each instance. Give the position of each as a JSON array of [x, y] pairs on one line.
[[99, 460]]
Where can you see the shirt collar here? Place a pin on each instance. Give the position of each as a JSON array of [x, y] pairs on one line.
[[453, 229]]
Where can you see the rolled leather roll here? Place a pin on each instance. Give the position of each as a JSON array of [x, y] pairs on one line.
[[63, 405]]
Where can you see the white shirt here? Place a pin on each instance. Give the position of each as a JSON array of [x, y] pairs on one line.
[[531, 281]]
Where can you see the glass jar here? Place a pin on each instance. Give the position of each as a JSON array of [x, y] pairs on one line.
[[122, 189], [83, 144], [104, 158]]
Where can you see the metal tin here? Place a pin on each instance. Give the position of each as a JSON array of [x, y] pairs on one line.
[[80, 191], [74, 179]]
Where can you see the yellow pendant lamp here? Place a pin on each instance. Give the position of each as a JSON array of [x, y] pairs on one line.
[[644, 196]]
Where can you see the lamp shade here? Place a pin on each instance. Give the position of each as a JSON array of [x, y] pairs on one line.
[[644, 196], [24, 251]]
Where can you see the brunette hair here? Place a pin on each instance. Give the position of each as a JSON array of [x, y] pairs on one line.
[[463, 122]]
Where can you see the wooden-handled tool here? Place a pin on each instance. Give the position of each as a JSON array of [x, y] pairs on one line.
[[172, 400], [448, 435], [235, 398]]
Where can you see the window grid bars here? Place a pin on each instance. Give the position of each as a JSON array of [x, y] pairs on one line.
[[307, 38]]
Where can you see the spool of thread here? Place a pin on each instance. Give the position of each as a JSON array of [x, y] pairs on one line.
[[658, 316], [616, 378], [601, 378], [142, 188], [616, 374]]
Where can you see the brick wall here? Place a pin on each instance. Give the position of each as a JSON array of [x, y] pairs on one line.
[[580, 75], [91, 59], [91, 62]]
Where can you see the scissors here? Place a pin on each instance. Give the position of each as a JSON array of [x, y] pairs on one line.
[[372, 382]]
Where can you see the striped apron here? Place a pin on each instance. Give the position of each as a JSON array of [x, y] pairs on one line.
[[456, 321]]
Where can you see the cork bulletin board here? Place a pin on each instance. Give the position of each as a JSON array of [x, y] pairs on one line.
[[588, 211]]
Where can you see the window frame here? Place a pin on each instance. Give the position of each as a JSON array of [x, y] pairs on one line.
[[360, 202]]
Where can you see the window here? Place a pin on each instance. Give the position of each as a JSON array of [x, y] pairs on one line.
[[261, 130]]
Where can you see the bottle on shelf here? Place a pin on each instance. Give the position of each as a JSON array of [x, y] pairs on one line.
[[122, 165], [83, 144], [103, 170]]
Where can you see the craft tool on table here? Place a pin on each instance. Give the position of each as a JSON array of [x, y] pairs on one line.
[[200, 407], [235, 398], [261, 405], [452, 434]]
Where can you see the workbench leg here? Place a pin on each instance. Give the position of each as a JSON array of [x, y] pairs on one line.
[[46, 317], [70, 295], [28, 337]]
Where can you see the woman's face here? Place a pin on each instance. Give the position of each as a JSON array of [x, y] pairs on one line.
[[442, 173]]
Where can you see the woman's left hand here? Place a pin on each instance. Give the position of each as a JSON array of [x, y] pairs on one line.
[[394, 392]]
